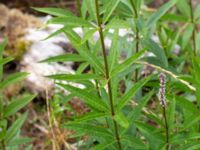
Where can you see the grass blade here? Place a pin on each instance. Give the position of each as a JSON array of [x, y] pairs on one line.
[[92, 100]]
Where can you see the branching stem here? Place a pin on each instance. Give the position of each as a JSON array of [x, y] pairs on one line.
[[107, 74], [137, 35]]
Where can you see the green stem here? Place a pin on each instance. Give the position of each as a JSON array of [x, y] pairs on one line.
[[166, 128], [1, 92], [96, 82], [78, 7], [137, 50], [3, 145], [105, 58], [137, 35], [194, 30], [107, 75]]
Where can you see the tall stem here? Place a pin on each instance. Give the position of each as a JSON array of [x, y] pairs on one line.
[[3, 145], [166, 128], [1, 97], [137, 35], [107, 74], [78, 7], [194, 30]]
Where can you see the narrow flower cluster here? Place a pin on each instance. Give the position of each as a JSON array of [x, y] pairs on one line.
[[162, 90]]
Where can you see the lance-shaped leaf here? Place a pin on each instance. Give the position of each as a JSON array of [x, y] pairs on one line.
[[83, 51], [16, 77], [194, 145], [88, 9], [171, 114], [133, 142], [91, 116], [89, 34], [191, 120], [92, 100], [17, 104], [87, 128], [109, 8], [18, 141], [15, 128], [57, 32], [114, 50], [135, 113], [149, 131], [70, 21], [64, 58], [121, 119], [158, 52], [117, 24], [74, 77], [184, 8], [131, 93], [58, 12], [187, 35], [185, 104], [159, 13], [5, 61], [182, 137], [127, 63]]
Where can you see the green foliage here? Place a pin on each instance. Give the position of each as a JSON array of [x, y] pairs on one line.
[[158, 14], [10, 133], [124, 111]]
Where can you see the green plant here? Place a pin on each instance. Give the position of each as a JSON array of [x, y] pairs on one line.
[[10, 133], [127, 118], [191, 16]]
